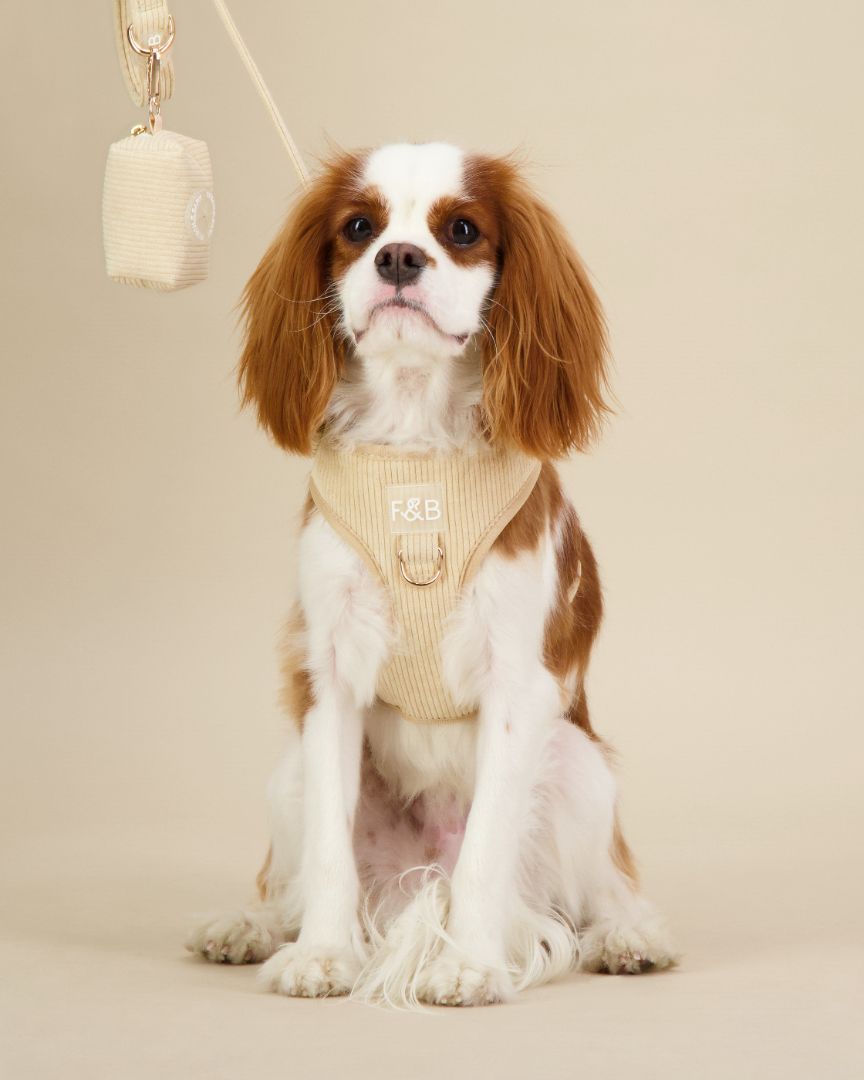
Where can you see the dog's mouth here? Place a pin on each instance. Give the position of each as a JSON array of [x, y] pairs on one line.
[[408, 305]]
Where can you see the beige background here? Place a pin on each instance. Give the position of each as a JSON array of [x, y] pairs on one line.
[[707, 158]]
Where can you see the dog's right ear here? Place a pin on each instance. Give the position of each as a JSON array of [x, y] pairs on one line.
[[293, 351]]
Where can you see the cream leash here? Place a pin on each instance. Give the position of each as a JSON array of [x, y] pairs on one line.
[[265, 95]]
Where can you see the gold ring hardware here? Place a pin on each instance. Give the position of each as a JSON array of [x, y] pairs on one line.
[[429, 581], [154, 54]]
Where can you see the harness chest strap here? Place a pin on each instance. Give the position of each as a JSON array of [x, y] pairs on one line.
[[422, 523]]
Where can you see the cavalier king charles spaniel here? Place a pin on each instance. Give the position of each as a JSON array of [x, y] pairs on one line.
[[421, 310]]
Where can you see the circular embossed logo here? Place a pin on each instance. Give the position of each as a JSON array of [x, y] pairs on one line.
[[201, 215]]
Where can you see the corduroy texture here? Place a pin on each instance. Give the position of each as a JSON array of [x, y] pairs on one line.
[[149, 19], [158, 210], [366, 495]]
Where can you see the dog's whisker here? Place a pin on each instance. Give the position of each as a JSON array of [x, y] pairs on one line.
[[330, 291], [323, 314]]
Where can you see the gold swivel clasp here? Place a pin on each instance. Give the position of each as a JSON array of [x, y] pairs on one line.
[[154, 51]]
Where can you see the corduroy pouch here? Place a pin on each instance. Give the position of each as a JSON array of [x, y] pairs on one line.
[[158, 210]]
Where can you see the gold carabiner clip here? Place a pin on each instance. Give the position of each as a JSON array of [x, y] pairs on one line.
[[154, 53]]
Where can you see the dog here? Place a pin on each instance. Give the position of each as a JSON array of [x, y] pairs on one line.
[[444, 824]]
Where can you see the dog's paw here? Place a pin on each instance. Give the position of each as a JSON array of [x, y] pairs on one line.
[[304, 971], [624, 949], [451, 980], [238, 937]]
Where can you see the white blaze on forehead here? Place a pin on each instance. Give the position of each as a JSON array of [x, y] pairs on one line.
[[412, 176]]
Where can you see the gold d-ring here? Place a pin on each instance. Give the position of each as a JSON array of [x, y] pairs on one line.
[[429, 581]]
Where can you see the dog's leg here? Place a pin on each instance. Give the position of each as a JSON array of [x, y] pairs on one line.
[[251, 934], [347, 639], [494, 654], [621, 931]]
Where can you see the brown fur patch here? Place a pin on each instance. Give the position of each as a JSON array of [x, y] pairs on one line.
[[481, 212], [523, 531], [293, 354], [573, 622], [297, 695], [579, 715], [621, 854], [263, 875], [368, 203], [544, 360]]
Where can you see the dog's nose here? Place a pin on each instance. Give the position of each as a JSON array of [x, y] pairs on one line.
[[400, 263]]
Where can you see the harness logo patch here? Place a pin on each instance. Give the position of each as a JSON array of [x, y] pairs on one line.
[[415, 508]]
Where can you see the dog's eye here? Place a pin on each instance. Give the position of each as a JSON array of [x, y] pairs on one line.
[[463, 232], [358, 230]]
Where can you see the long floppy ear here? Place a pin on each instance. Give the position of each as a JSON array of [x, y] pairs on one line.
[[293, 352], [544, 369]]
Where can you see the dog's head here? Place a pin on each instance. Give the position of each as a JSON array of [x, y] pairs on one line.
[[419, 252]]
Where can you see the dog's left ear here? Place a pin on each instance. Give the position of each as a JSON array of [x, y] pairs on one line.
[[544, 362], [293, 353]]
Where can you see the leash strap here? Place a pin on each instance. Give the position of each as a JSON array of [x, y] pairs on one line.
[[149, 20], [265, 95]]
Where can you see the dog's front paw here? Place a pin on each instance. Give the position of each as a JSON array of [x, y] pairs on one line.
[[451, 980], [627, 949], [238, 937], [305, 971]]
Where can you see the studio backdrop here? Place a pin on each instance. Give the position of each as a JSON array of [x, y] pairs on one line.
[[706, 160]]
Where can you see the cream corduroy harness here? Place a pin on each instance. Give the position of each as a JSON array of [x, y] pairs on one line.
[[422, 522]]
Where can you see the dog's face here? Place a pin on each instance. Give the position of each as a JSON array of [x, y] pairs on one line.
[[414, 255], [411, 252]]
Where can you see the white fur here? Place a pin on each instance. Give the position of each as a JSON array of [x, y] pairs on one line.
[[374, 877], [348, 638], [418, 758]]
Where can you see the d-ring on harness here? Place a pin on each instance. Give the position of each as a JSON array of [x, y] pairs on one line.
[[429, 581]]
